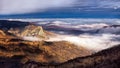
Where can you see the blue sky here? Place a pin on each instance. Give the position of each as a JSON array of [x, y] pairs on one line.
[[59, 9]]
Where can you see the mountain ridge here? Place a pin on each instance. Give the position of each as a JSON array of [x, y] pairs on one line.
[[15, 48]]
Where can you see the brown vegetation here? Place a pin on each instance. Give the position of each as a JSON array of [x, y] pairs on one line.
[[14, 49], [109, 58]]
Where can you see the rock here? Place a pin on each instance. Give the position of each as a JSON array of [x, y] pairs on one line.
[[29, 31]]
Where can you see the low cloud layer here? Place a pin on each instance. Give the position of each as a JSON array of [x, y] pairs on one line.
[[29, 38], [96, 36], [93, 43]]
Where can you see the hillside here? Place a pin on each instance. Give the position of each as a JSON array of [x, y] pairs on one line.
[[15, 49], [109, 58]]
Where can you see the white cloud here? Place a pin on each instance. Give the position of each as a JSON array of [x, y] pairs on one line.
[[29, 38], [27, 6], [101, 3], [91, 42], [109, 4]]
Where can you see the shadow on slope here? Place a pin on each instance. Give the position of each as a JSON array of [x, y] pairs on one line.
[[109, 58]]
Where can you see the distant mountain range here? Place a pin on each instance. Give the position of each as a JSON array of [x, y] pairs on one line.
[[77, 29]]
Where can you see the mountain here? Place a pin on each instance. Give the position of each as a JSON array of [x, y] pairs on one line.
[[25, 46], [15, 50], [24, 30], [18, 47]]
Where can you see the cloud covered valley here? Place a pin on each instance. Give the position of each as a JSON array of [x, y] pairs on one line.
[[93, 36]]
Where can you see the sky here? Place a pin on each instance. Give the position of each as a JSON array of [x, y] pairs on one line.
[[59, 8]]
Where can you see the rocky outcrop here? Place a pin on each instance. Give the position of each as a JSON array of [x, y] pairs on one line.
[[29, 31], [32, 30]]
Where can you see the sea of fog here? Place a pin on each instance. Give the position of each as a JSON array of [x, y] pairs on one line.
[[93, 34]]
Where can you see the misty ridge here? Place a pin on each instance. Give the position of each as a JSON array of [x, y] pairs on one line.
[[97, 35], [94, 36]]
